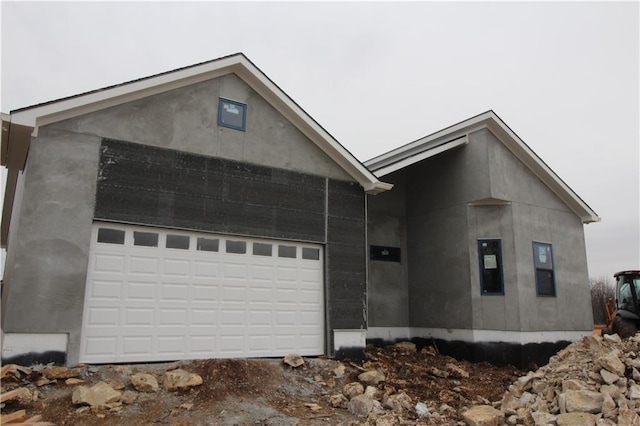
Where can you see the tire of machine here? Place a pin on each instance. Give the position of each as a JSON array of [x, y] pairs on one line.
[[625, 328]]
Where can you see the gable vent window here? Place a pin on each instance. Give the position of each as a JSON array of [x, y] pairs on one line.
[[232, 114]]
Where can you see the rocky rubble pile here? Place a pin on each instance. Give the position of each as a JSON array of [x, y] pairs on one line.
[[101, 398], [386, 399], [595, 381]]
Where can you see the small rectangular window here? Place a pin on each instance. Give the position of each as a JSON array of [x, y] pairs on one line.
[[262, 249], [310, 253], [207, 244], [543, 264], [384, 253], [178, 242], [237, 247], [110, 236], [145, 239], [490, 257], [287, 251], [232, 114]]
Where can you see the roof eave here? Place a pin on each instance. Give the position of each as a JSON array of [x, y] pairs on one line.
[[442, 140], [51, 112]]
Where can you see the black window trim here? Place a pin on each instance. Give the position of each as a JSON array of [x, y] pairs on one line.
[[538, 244], [500, 266]]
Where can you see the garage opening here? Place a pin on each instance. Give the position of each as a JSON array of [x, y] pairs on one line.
[[156, 294]]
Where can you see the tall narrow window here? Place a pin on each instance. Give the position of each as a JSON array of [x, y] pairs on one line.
[[490, 257], [543, 264]]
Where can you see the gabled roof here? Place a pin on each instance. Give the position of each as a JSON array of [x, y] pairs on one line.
[[46, 113], [458, 135]]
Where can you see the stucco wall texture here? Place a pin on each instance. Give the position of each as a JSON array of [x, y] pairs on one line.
[[444, 208], [51, 225]]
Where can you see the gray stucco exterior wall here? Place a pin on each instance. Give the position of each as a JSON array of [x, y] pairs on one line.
[[185, 119], [49, 244], [45, 292], [480, 191], [388, 295]]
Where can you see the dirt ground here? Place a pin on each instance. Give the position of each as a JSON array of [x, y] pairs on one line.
[[269, 392]]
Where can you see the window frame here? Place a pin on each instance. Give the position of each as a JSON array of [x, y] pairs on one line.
[[535, 247], [243, 108], [499, 266]]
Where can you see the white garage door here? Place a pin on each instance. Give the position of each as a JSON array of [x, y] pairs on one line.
[[156, 294]]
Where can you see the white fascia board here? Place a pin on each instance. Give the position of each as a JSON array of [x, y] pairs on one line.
[[412, 148], [422, 156], [93, 101], [290, 110]]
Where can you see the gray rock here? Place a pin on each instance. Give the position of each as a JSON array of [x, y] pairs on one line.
[[542, 418], [361, 405], [608, 377], [634, 392]]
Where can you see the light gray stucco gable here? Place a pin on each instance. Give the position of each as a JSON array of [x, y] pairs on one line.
[[185, 119]]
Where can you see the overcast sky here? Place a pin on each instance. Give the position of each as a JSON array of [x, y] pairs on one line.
[[563, 76]]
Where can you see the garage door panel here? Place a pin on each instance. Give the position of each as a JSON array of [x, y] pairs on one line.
[[176, 267], [204, 317], [171, 345], [172, 317], [105, 290], [109, 263], [137, 345], [143, 266], [137, 317], [186, 295], [174, 292]]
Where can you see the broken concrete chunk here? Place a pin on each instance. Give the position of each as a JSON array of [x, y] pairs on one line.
[[372, 377], [573, 419], [405, 346], [398, 402], [353, 389], [180, 380], [98, 395], [294, 360], [483, 415], [611, 362], [583, 401], [456, 372], [13, 371], [608, 377], [339, 371], [144, 382], [338, 400], [52, 373]]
